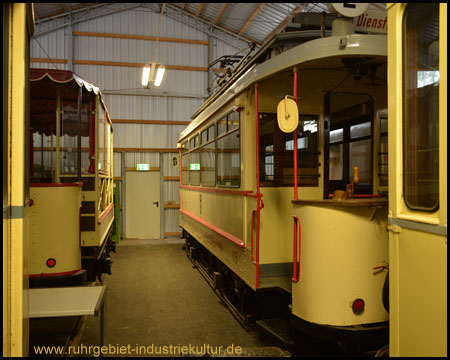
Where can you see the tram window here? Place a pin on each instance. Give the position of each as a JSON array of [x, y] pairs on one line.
[[277, 152], [383, 159], [302, 143], [194, 142], [211, 133], [101, 140], [233, 120], [360, 156], [194, 162], [360, 130], [85, 140], [336, 161], [269, 162], [421, 106], [184, 164], [228, 156], [204, 137], [222, 126], [194, 167], [208, 135], [108, 152], [350, 142], [208, 158], [68, 139], [208, 164], [336, 135]]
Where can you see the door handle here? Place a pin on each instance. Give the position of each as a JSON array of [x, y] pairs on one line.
[[156, 203]]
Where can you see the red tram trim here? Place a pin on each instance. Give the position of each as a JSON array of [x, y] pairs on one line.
[[106, 213], [65, 273], [248, 193], [221, 232], [179, 174], [296, 277], [56, 184], [295, 143]]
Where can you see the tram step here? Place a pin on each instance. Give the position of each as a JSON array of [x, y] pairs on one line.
[[278, 329]]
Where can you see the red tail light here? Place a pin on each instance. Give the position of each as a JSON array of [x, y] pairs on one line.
[[358, 306], [51, 262]]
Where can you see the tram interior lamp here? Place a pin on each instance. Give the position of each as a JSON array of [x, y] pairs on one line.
[[153, 72]]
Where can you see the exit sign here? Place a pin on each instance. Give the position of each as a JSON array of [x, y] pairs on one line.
[[142, 167], [194, 166]]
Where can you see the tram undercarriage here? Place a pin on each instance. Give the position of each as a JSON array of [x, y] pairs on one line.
[[269, 309]]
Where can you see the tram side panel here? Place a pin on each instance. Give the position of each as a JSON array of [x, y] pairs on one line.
[[215, 217], [55, 211], [417, 38]]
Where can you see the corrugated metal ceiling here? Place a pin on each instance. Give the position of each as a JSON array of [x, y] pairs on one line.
[[252, 21]]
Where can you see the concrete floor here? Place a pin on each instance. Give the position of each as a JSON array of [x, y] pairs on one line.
[[156, 297], [156, 304]]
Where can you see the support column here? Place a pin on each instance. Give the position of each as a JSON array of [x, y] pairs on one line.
[[211, 45], [161, 195], [58, 132], [70, 42]]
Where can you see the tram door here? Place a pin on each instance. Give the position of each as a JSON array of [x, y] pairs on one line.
[[418, 179], [142, 205]]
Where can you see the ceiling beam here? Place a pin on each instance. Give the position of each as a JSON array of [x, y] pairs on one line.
[[63, 12], [183, 5], [208, 21], [200, 8], [64, 6], [283, 23], [250, 19], [222, 10]]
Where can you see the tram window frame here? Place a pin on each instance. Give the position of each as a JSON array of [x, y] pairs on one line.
[[185, 158], [69, 137], [229, 132], [277, 153], [194, 142], [206, 141], [422, 159], [346, 122], [383, 156]]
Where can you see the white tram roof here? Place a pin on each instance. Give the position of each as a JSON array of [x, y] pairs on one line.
[[323, 51]]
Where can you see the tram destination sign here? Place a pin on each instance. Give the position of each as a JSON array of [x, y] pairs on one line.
[[372, 21]]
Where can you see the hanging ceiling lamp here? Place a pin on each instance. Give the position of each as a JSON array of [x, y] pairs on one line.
[[154, 71]]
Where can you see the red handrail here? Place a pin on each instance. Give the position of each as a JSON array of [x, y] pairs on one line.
[[296, 277], [253, 224], [295, 142]]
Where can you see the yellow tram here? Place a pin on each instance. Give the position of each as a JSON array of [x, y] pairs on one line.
[[310, 224], [417, 104], [71, 179]]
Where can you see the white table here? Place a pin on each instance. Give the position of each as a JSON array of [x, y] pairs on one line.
[[68, 301]]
